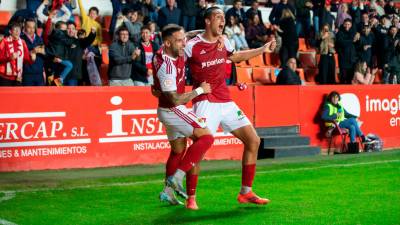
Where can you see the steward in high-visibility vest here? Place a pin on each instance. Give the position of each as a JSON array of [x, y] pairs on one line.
[[333, 110]]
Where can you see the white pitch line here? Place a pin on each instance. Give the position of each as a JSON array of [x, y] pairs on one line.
[[7, 196], [205, 177]]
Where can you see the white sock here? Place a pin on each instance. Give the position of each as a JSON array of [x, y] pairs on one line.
[[245, 190], [179, 174]]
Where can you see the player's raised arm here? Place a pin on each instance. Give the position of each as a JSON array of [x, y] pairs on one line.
[[248, 54], [181, 99]]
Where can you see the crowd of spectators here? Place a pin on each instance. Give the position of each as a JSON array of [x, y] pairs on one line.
[[363, 34]]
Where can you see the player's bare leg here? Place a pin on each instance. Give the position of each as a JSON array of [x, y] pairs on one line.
[[178, 147], [191, 185], [202, 142], [251, 141]]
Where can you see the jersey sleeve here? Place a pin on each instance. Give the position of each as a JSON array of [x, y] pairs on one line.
[[229, 48], [167, 76]]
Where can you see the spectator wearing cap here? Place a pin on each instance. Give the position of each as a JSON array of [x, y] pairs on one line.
[[32, 74], [169, 14], [345, 46], [13, 54]]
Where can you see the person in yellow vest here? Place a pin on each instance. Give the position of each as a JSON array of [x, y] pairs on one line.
[[333, 111]]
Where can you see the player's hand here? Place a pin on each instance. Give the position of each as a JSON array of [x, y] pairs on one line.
[[93, 30], [155, 92], [57, 60], [270, 46], [206, 87]]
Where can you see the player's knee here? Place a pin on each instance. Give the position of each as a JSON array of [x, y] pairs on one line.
[[253, 141], [198, 132]]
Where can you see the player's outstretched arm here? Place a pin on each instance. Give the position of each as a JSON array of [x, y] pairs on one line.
[[248, 54], [181, 99]]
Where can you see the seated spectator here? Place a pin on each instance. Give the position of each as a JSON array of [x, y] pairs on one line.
[[142, 72], [362, 74], [235, 35], [327, 63], [256, 33], [43, 18], [290, 39], [122, 53], [334, 111], [169, 14], [13, 54], [288, 75], [32, 74], [58, 43]]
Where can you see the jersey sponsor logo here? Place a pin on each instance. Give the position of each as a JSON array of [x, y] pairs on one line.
[[212, 63], [202, 52]]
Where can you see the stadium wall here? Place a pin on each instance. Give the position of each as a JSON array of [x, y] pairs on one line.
[[83, 127]]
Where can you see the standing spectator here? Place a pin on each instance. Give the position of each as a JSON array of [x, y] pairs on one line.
[[380, 32], [57, 50], [377, 7], [13, 54], [355, 12], [365, 44], [303, 21], [288, 75], [158, 4], [169, 14], [318, 6], [396, 21], [390, 8], [155, 36], [290, 40], [256, 33], [327, 17], [342, 15], [142, 72], [43, 18], [345, 39], [327, 65], [391, 56], [238, 11], [188, 9], [276, 13], [134, 24], [235, 35], [122, 53], [201, 9], [90, 21], [254, 10], [33, 5], [362, 74], [364, 22], [76, 51], [146, 7], [32, 74]]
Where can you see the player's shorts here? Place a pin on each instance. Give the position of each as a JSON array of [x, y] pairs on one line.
[[179, 121], [228, 114]]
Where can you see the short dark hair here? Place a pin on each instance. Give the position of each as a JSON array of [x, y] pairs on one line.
[[236, 1], [169, 30], [30, 20], [347, 20], [71, 23], [59, 23], [15, 24], [122, 28], [145, 27], [210, 11], [332, 94], [95, 9]]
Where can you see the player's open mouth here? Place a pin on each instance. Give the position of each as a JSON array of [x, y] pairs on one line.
[[221, 27]]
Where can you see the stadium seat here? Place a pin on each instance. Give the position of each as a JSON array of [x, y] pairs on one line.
[[274, 73], [262, 75], [106, 22], [257, 61], [302, 44], [77, 21], [300, 72], [272, 59], [5, 17], [104, 54], [307, 59], [244, 75], [242, 64], [378, 77]]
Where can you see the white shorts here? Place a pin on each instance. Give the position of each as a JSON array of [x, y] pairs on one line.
[[228, 114], [179, 121]]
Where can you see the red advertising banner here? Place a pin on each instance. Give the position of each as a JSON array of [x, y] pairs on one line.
[[81, 127]]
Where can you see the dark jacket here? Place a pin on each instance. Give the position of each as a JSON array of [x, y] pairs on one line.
[[391, 49], [289, 35], [188, 7], [139, 70], [276, 12], [167, 16], [241, 15], [58, 44], [326, 18], [288, 77], [75, 53], [200, 17], [302, 11], [120, 60], [365, 55], [251, 11], [37, 67], [345, 48]]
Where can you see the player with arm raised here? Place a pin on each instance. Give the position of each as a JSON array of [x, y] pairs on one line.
[[206, 59]]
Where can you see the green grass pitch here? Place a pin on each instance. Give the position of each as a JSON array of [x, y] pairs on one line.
[[340, 189]]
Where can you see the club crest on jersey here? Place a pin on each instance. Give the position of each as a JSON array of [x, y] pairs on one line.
[[168, 83]]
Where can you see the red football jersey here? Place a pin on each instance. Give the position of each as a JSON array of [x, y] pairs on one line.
[[207, 62], [170, 76]]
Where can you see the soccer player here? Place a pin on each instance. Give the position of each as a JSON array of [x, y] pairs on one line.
[[180, 122], [207, 59]]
